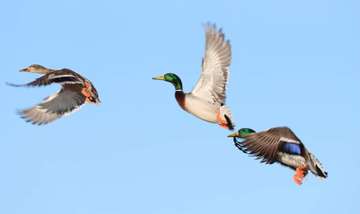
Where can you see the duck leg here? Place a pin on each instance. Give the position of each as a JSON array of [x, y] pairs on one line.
[[300, 174], [86, 91]]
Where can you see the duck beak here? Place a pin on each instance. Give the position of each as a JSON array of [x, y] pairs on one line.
[[161, 77], [24, 69], [235, 134]]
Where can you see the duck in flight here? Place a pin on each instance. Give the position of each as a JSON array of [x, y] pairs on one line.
[[75, 91], [280, 145], [207, 100]]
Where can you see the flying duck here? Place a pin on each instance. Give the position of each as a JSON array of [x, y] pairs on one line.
[[207, 99], [75, 91], [280, 145]]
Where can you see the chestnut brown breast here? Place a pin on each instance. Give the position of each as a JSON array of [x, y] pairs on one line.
[[180, 98]]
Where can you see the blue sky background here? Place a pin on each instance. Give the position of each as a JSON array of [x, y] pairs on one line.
[[295, 63]]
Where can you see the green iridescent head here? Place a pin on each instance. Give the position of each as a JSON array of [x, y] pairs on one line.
[[241, 133], [172, 78]]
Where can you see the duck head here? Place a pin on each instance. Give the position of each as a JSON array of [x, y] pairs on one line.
[[241, 133], [35, 68], [172, 78]]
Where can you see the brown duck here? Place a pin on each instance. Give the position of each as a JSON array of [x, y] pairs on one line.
[[75, 91]]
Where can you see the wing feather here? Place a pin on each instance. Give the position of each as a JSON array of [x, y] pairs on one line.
[[65, 101], [211, 85], [265, 145], [61, 77]]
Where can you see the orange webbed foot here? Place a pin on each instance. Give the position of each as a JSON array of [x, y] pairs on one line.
[[86, 90], [299, 175]]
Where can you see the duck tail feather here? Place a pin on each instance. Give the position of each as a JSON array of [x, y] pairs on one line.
[[225, 111], [316, 167]]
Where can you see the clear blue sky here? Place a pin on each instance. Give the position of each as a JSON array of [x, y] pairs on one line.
[[294, 64]]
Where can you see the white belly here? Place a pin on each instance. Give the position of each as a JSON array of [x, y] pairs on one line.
[[291, 160], [201, 108]]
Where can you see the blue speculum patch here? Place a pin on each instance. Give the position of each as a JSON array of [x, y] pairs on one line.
[[292, 148]]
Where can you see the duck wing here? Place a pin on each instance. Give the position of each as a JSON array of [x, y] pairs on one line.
[[211, 85], [64, 76], [68, 99], [265, 145]]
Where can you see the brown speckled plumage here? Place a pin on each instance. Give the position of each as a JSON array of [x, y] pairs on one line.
[[76, 91]]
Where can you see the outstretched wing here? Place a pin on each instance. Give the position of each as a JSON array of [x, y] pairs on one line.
[[62, 77], [65, 101], [211, 85], [265, 145]]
